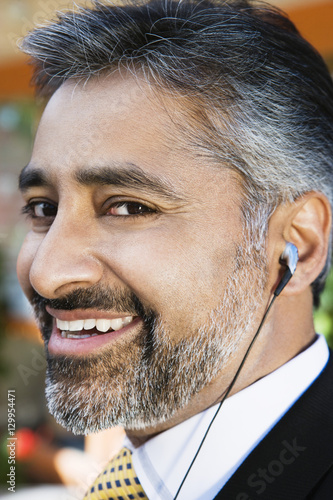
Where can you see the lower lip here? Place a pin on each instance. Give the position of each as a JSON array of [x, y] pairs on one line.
[[59, 345]]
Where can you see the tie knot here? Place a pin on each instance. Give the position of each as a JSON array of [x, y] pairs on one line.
[[117, 481]]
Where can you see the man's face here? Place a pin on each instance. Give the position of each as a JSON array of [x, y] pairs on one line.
[[136, 234]]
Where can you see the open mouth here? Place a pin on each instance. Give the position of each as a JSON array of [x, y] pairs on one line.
[[83, 329], [83, 332]]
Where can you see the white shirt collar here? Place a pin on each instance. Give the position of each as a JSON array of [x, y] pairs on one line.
[[245, 418]]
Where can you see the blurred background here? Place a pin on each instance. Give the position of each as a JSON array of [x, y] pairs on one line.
[[45, 453]]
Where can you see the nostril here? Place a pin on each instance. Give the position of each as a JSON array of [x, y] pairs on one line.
[[55, 262], [55, 274]]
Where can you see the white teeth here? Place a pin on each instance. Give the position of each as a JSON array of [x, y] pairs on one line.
[[62, 325], [89, 324], [116, 324], [103, 325], [127, 320], [75, 326], [69, 335]]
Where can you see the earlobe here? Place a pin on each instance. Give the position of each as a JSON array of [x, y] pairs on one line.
[[308, 228]]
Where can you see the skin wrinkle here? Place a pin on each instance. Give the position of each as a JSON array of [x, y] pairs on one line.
[[127, 176], [219, 90], [188, 335], [82, 393]]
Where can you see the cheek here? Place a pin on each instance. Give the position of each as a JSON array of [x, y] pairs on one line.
[[24, 263], [177, 275]]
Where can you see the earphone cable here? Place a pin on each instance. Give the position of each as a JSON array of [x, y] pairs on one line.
[[227, 393]]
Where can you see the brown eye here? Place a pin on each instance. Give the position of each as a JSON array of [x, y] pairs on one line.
[[44, 209], [129, 208], [39, 209]]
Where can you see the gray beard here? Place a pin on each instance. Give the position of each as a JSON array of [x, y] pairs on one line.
[[99, 392]]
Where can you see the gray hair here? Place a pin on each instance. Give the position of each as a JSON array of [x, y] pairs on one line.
[[262, 96]]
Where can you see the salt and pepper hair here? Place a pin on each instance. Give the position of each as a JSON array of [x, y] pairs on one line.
[[262, 96]]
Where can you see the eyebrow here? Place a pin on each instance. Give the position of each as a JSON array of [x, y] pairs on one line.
[[126, 175], [132, 177], [32, 177]]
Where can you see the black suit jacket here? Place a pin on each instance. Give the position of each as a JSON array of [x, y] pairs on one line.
[[295, 460]]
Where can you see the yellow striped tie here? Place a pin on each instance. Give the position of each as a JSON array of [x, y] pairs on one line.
[[118, 480]]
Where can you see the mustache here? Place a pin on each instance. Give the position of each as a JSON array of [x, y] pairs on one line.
[[100, 298], [96, 297]]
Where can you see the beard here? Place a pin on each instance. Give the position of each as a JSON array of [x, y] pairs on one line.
[[143, 383]]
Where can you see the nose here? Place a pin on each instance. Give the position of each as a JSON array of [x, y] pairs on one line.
[[65, 259]]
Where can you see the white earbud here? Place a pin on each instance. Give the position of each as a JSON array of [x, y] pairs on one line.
[[289, 258]]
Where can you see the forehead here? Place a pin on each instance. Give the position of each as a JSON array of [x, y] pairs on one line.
[[109, 114], [119, 122]]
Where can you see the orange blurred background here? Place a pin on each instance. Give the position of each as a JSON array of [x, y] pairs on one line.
[[21, 354]]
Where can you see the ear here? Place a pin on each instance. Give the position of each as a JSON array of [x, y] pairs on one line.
[[307, 224]]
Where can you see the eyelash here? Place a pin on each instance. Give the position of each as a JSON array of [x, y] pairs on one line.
[[128, 204], [29, 209]]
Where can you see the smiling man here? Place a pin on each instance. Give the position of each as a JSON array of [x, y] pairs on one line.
[[181, 169]]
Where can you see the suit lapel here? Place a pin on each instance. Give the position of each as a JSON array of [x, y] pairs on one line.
[[296, 453]]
